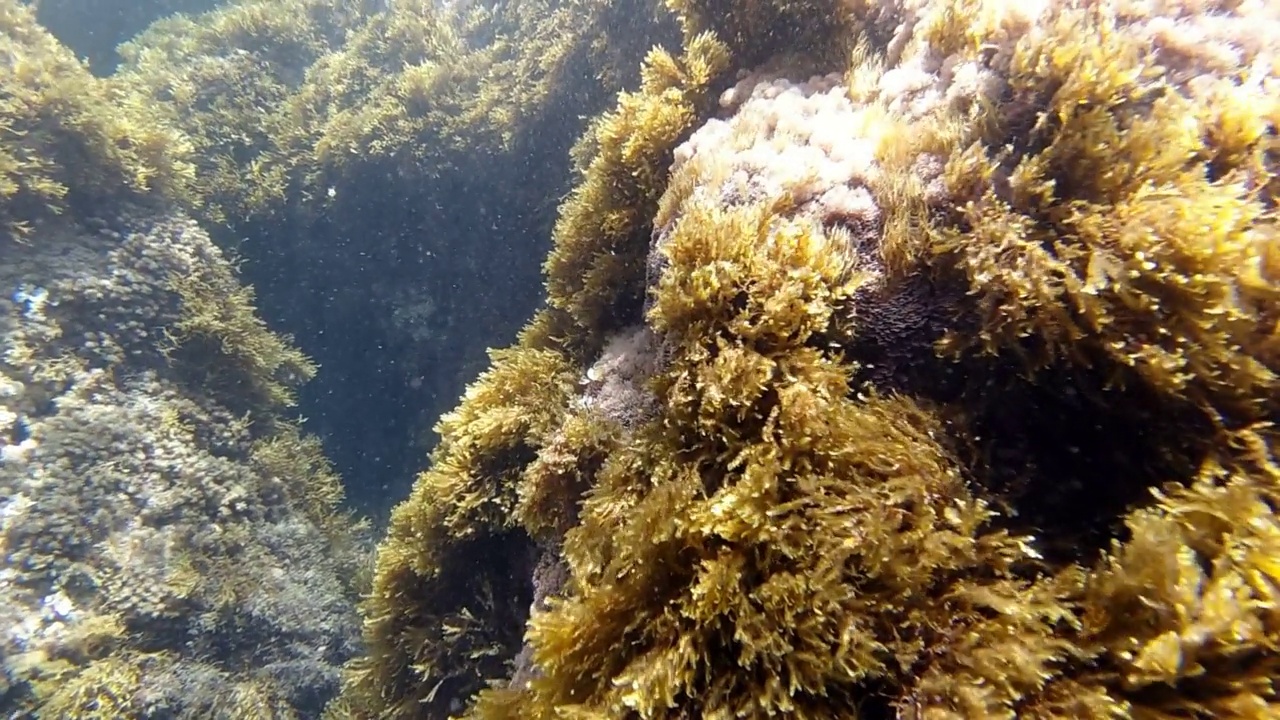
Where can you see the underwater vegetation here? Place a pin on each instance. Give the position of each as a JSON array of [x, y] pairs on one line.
[[93, 29], [173, 544], [904, 359], [69, 141], [174, 547], [899, 360]]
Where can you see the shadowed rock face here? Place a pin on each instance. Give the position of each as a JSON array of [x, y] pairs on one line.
[[549, 578]]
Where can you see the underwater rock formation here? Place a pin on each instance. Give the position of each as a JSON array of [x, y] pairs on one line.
[[172, 546], [163, 555], [900, 360], [397, 161]]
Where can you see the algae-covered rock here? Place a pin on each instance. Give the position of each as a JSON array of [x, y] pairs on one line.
[[932, 381], [68, 141], [93, 29], [172, 546], [168, 542]]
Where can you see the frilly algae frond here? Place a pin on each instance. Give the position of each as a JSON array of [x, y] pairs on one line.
[[936, 383], [228, 349], [597, 267]]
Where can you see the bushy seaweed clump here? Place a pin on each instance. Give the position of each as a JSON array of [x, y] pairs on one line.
[[94, 30], [1132, 226], [286, 100], [1055, 226], [223, 77], [67, 139]]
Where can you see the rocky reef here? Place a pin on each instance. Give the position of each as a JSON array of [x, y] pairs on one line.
[[912, 359], [169, 551], [900, 360], [173, 545]]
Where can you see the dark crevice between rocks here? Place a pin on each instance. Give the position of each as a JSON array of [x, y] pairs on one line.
[[486, 586]]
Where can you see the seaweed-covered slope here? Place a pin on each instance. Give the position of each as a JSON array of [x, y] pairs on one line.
[[68, 140], [171, 546], [900, 360]]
